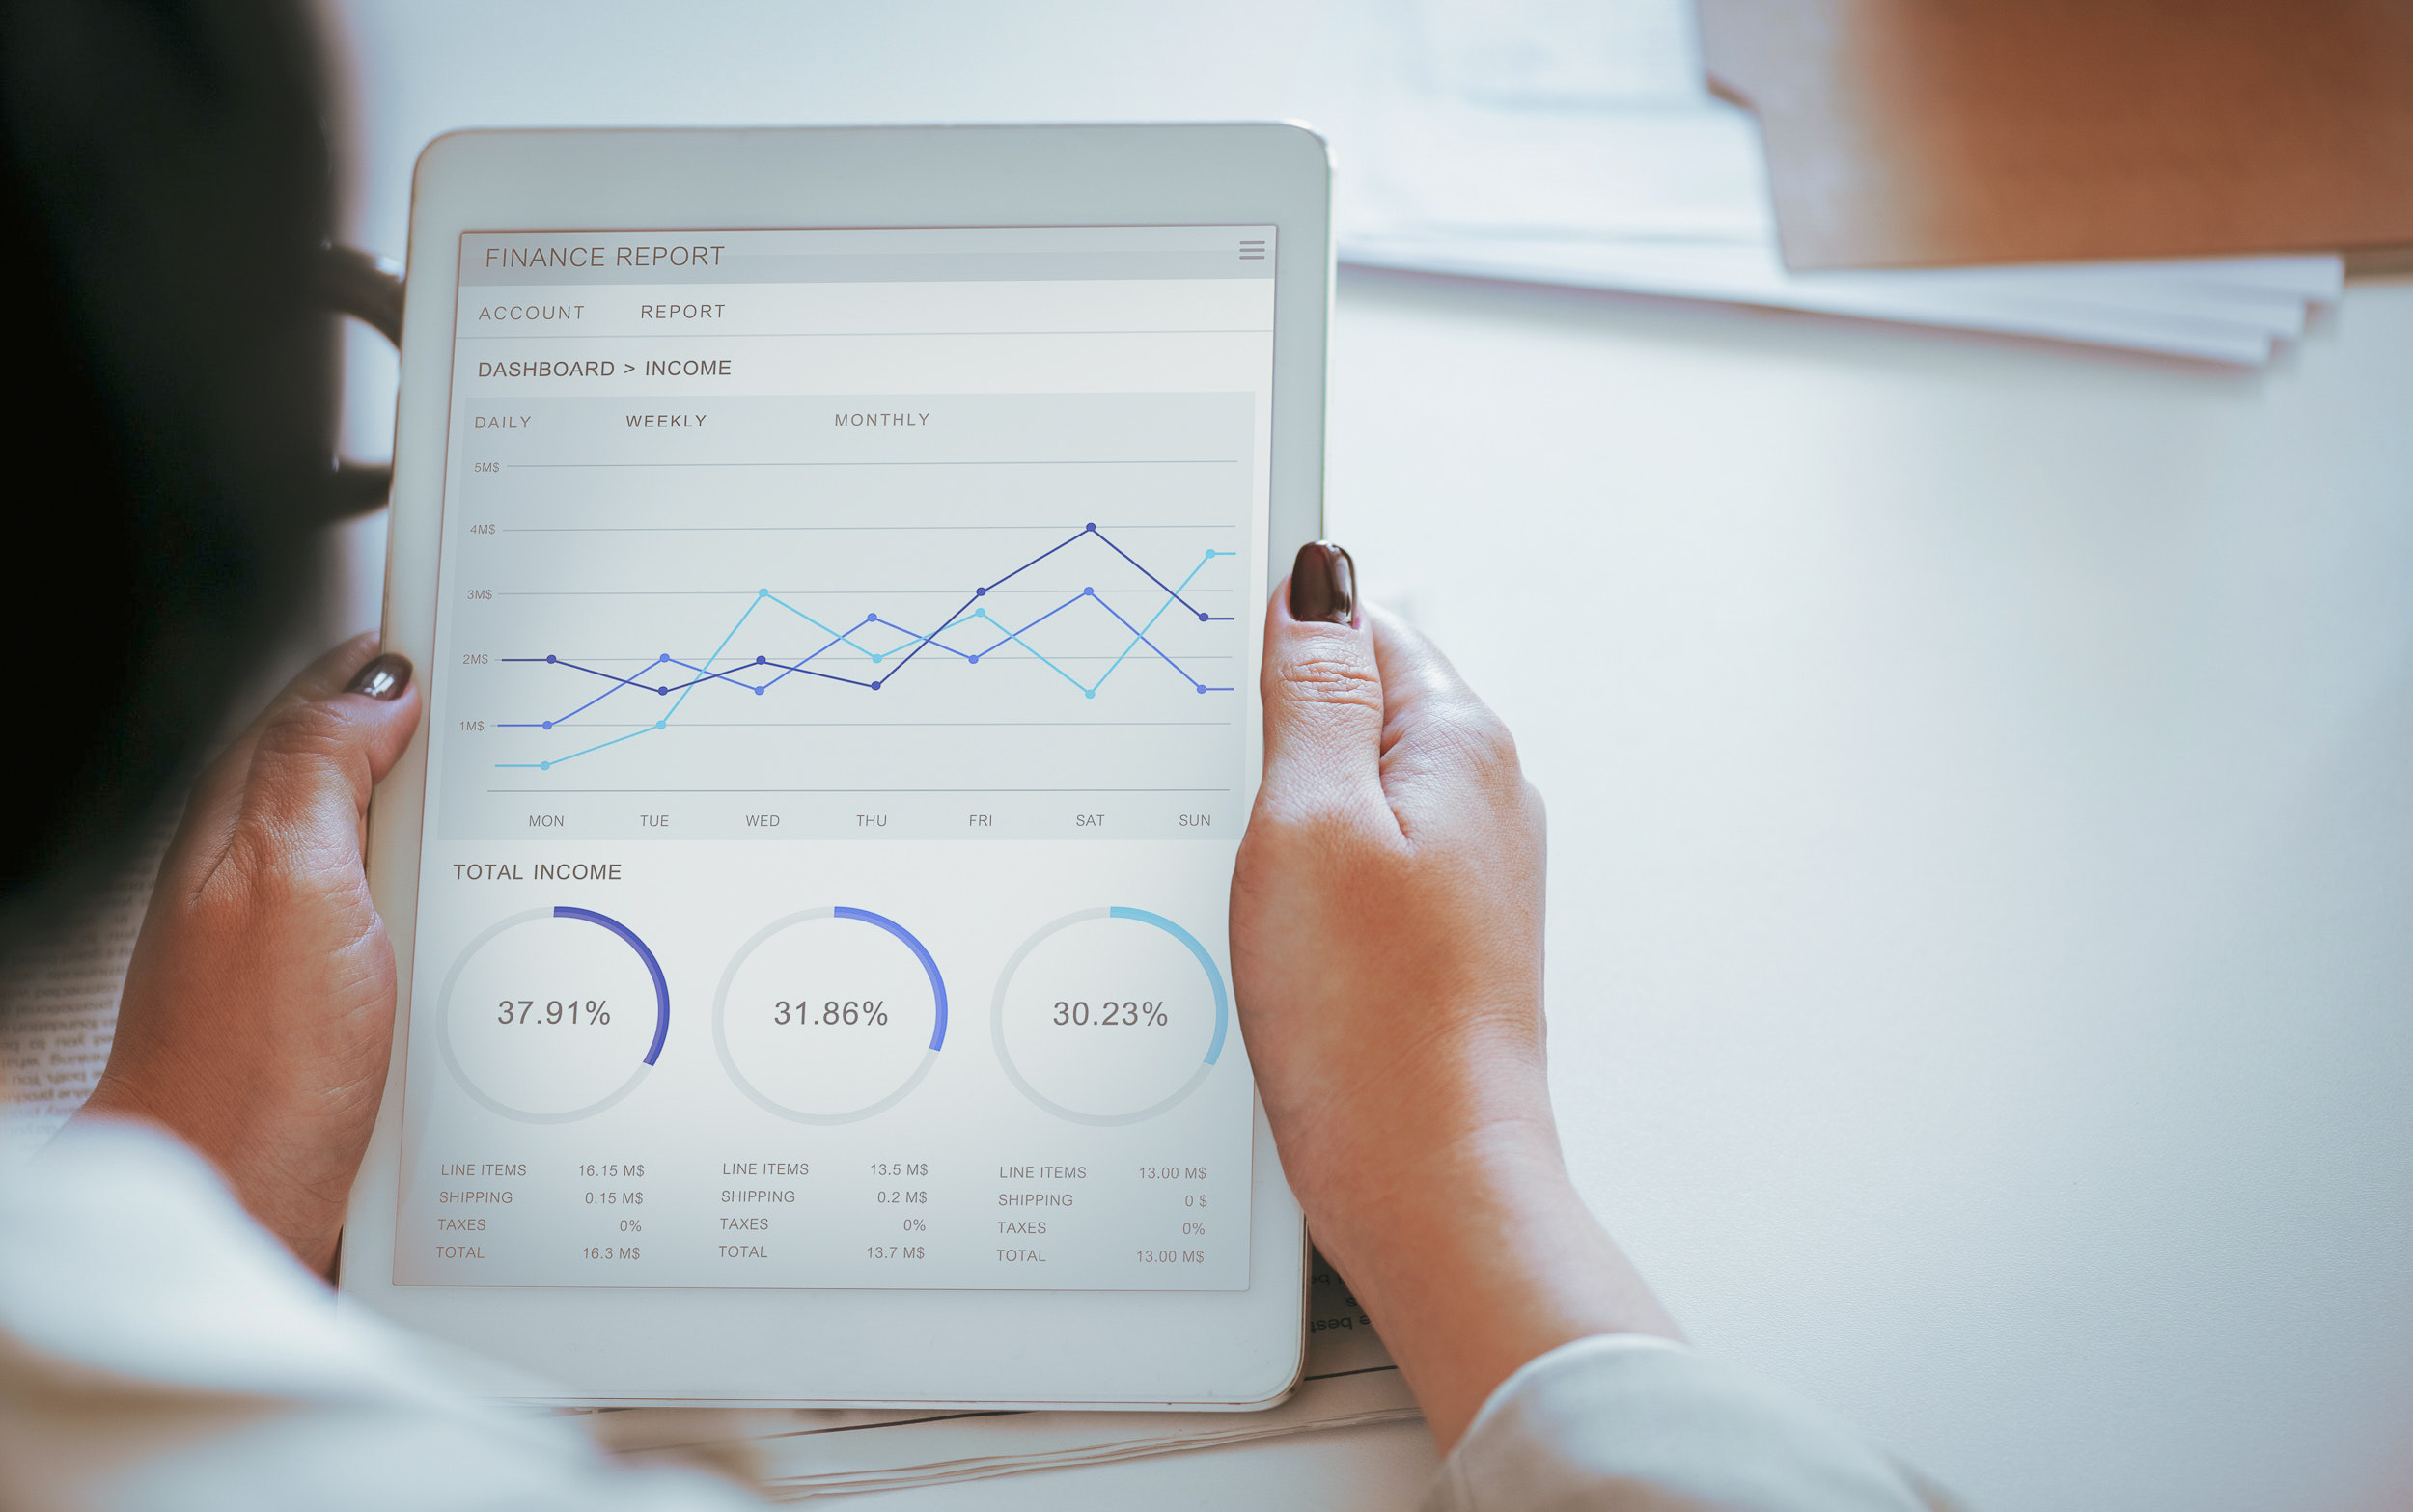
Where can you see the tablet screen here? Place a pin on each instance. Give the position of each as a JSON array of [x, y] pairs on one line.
[[841, 731]]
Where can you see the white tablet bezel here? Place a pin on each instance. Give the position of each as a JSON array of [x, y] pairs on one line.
[[631, 1346]]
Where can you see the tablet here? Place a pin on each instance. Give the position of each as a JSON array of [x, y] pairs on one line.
[[835, 560]]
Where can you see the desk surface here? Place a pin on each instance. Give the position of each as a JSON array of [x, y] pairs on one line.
[[1981, 782]]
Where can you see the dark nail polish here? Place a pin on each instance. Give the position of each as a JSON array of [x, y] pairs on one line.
[[384, 678], [1324, 584]]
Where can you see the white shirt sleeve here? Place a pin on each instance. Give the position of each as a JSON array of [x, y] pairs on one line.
[[1624, 1423], [159, 1350]]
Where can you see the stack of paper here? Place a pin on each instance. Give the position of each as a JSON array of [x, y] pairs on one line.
[[59, 1005], [796, 1454], [1573, 142]]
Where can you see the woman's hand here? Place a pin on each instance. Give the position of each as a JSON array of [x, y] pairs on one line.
[[259, 1006], [1386, 947]]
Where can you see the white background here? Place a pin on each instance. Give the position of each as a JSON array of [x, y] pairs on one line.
[[1981, 780]]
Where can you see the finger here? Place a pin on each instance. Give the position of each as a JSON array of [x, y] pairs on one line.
[[305, 796], [320, 702], [1420, 686], [1438, 737], [1322, 690], [213, 801]]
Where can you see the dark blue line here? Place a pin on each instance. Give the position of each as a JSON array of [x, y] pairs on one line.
[[809, 672], [1170, 592], [730, 676], [626, 682], [620, 682], [933, 638], [661, 988], [1086, 530], [920, 641], [839, 638]]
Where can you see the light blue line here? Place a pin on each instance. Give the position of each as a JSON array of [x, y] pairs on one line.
[[1017, 640], [614, 740], [1214, 976], [964, 616], [841, 635], [742, 616], [1142, 633]]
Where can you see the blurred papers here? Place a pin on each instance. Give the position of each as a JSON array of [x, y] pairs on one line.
[[1573, 142], [794, 1454]]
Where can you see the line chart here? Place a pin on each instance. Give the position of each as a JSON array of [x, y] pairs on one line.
[[971, 634]]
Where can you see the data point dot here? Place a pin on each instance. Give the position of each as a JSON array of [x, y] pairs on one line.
[[1088, 693], [870, 618], [758, 692], [977, 592], [1091, 526], [874, 687], [1202, 618], [548, 724], [552, 658], [1089, 593], [762, 593], [544, 766], [661, 724], [664, 692], [976, 661], [761, 661], [1202, 687]]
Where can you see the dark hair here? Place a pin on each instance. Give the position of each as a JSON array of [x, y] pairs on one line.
[[164, 194]]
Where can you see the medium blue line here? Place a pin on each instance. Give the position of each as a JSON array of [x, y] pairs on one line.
[[746, 614], [707, 672], [817, 625], [837, 637], [614, 740], [1140, 638], [938, 983], [926, 640], [1141, 634], [1086, 692], [1036, 623], [583, 708], [1152, 577], [814, 672]]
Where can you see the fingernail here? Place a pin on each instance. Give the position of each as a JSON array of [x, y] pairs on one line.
[[1324, 584], [384, 678]]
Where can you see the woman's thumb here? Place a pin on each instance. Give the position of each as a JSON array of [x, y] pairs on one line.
[[1322, 688]]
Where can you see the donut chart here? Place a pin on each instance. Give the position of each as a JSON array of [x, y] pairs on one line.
[[830, 1015], [553, 1015], [1110, 1016]]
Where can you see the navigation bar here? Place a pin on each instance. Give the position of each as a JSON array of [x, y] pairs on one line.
[[868, 256]]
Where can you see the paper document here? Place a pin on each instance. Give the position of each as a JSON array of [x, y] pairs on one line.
[[796, 1454], [1547, 141], [58, 1004]]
